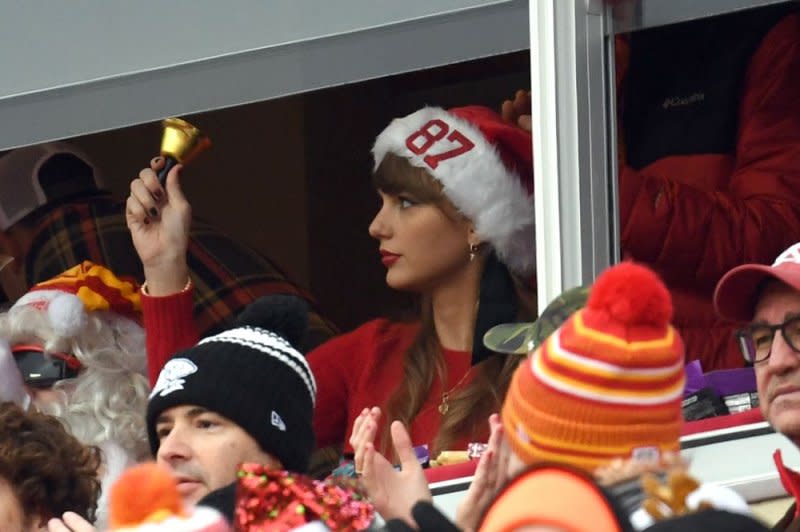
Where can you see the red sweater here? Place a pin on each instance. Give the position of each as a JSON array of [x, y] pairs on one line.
[[362, 368], [353, 371], [169, 327]]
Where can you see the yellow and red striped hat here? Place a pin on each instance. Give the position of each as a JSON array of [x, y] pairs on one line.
[[96, 287], [607, 384]]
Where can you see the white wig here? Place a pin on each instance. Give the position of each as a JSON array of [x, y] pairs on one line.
[[107, 400]]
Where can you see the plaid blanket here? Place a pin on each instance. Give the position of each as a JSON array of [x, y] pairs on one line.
[[227, 275]]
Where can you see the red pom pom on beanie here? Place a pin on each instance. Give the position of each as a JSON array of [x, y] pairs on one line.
[[632, 295]]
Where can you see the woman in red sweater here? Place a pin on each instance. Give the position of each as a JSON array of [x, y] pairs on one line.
[[455, 227]]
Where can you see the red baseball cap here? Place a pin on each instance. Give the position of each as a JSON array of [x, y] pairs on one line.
[[737, 292]]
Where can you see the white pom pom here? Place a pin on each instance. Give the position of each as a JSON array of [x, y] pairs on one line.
[[720, 497], [67, 315]]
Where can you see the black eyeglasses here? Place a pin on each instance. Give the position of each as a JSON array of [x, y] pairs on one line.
[[42, 370], [755, 341]]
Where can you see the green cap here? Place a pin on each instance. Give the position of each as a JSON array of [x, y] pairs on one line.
[[523, 338]]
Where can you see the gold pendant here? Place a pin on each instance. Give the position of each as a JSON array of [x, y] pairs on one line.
[[444, 407]]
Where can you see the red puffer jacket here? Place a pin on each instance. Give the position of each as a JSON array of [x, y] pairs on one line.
[[710, 158]]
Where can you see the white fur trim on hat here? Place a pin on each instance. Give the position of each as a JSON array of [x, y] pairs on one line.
[[476, 181], [65, 311]]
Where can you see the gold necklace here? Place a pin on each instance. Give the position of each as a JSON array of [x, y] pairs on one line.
[[444, 406]]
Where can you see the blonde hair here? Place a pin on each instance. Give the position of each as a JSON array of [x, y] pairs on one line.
[[470, 406]]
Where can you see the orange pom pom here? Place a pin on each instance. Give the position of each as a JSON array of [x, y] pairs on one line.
[[140, 492], [632, 295]]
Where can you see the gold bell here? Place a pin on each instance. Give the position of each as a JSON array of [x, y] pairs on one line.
[[180, 143]]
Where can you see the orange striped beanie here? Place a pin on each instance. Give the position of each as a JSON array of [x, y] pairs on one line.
[[87, 287], [607, 384]]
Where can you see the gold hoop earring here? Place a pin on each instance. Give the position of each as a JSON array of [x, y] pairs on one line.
[[473, 250]]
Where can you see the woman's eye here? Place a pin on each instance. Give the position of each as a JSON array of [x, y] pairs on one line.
[[162, 433], [405, 203]]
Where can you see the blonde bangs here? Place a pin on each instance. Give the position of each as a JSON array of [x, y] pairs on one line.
[[395, 175]]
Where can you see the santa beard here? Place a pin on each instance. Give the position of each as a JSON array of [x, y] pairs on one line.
[[115, 461], [100, 406]]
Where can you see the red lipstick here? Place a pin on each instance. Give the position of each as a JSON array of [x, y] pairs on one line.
[[388, 258]]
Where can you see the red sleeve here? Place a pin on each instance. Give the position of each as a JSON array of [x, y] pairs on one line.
[[356, 370], [169, 327], [331, 364], [750, 219]]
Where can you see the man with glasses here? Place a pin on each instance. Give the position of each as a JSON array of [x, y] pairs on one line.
[[767, 298]]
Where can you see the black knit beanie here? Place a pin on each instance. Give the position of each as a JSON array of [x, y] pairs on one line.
[[251, 375]]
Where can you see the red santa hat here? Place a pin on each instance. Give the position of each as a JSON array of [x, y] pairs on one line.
[[87, 287], [485, 166]]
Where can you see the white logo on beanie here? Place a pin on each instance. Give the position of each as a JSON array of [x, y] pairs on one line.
[[173, 376], [277, 422]]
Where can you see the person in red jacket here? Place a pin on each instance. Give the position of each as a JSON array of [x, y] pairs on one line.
[[709, 173], [455, 227]]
